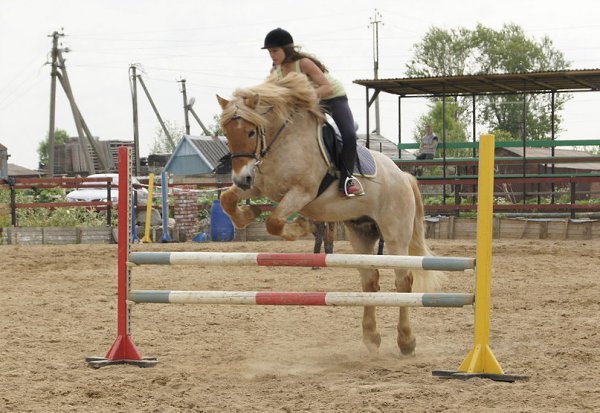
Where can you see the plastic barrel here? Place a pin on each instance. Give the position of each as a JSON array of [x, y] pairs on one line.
[[221, 227]]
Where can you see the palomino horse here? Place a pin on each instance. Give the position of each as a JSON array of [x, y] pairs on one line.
[[272, 132]]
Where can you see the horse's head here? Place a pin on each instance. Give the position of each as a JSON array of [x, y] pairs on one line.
[[243, 139], [255, 117]]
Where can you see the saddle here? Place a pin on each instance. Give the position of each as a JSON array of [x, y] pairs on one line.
[[331, 144]]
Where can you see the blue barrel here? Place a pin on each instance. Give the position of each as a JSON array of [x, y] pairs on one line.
[[221, 227]]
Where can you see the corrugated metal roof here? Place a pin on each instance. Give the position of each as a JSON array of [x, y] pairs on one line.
[[481, 84], [382, 144], [197, 155], [547, 152], [213, 148]]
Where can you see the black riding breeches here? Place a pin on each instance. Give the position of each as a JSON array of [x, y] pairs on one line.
[[342, 115]]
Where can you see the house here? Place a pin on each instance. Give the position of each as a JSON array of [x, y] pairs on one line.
[[16, 171], [379, 143], [584, 190], [3, 162], [195, 155]]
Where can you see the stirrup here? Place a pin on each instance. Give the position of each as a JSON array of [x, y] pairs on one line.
[[356, 182]]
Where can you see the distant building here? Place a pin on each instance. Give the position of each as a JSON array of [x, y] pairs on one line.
[[3, 162], [585, 190], [379, 143], [16, 171], [69, 159], [195, 155]]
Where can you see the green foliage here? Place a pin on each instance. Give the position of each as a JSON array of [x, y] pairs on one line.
[[483, 50], [161, 141], [455, 128], [59, 217], [45, 217], [215, 126], [60, 137]]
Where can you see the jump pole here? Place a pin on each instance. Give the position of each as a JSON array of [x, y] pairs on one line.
[[123, 350], [481, 362]]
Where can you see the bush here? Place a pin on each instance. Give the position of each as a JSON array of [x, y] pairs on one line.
[[59, 217]]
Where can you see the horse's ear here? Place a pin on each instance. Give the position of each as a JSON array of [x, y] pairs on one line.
[[222, 102], [252, 101]]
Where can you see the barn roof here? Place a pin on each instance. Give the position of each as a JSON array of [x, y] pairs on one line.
[[481, 84], [197, 155], [547, 152]]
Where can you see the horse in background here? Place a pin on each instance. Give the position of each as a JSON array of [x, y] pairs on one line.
[[272, 133]]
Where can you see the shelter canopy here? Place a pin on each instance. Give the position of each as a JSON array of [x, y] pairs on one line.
[[506, 83]]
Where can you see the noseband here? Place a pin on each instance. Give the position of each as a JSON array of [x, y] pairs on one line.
[[261, 148]]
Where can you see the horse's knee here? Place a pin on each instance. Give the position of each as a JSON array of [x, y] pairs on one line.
[[404, 281], [370, 281]]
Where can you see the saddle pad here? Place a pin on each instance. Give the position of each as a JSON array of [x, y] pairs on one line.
[[365, 165]]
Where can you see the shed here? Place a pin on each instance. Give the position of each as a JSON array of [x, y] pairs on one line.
[[3, 162], [382, 144], [196, 155]]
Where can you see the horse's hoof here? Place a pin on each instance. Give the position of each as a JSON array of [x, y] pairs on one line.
[[372, 342], [407, 348]]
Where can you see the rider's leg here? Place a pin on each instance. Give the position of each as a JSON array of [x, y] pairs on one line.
[[342, 115]]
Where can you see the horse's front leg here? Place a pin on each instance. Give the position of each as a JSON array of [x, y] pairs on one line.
[[277, 223], [241, 215]]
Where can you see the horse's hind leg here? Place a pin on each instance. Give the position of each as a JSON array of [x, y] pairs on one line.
[[363, 238], [404, 281]]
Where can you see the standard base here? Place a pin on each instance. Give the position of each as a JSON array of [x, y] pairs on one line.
[[97, 362], [446, 374]]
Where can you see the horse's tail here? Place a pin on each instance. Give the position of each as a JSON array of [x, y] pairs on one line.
[[422, 280]]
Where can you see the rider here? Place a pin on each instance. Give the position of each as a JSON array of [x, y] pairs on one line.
[[288, 58]]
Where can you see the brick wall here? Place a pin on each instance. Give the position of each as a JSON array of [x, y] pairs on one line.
[[186, 213]]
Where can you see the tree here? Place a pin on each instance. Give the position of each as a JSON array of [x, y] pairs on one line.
[[455, 128], [215, 126], [486, 51], [60, 138], [161, 142]]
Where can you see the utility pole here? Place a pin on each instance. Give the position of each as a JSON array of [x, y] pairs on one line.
[[162, 123], [136, 134], [185, 106], [82, 130], [53, 73], [59, 71], [375, 22]]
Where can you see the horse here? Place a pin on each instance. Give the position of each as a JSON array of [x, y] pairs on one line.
[[271, 132]]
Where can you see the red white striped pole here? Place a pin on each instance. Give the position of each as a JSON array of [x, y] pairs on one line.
[[302, 260], [347, 299]]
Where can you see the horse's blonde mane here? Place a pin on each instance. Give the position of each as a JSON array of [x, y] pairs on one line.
[[280, 97]]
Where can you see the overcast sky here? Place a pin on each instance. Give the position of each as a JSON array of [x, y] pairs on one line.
[[216, 45]]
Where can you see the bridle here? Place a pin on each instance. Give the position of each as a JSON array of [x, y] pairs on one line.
[[262, 148]]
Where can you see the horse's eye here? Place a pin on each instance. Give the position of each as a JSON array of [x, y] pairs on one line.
[[252, 133]]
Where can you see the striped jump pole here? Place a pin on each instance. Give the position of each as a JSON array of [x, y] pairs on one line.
[[302, 260], [303, 298]]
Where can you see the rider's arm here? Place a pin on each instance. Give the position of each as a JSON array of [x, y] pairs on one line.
[[315, 74]]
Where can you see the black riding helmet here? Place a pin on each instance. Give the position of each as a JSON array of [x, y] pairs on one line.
[[278, 38]]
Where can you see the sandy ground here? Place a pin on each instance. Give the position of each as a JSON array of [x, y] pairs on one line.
[[58, 305]]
